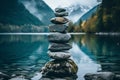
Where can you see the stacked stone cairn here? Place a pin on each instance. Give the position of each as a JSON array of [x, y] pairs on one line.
[[61, 65]]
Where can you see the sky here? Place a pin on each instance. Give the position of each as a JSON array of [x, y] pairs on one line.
[[69, 3], [65, 3]]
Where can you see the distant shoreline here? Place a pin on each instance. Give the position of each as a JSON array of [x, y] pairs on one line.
[[97, 33]]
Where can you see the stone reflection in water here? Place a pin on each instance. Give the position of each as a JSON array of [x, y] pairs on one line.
[[22, 55]]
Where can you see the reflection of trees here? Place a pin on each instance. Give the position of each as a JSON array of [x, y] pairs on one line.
[[105, 48], [99, 45], [22, 38]]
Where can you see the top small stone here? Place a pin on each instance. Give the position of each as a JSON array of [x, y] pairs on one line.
[[60, 10]]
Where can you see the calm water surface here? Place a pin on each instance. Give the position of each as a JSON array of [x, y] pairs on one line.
[[26, 54]]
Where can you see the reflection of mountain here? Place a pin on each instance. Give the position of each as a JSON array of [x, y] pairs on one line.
[[22, 38], [39, 9], [103, 49], [99, 45], [13, 12], [15, 48]]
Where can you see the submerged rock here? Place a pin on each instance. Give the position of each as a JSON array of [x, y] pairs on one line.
[[60, 9], [117, 77], [4, 76], [59, 20], [59, 55], [60, 69], [59, 38], [55, 47], [37, 76], [58, 28], [61, 14], [100, 76]]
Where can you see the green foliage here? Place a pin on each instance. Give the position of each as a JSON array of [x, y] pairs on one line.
[[21, 28], [106, 19], [70, 27]]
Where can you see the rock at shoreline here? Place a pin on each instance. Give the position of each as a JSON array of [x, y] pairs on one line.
[[60, 69], [58, 28], [55, 47], [65, 78], [59, 55], [59, 20], [59, 38], [61, 14], [60, 9], [100, 76]]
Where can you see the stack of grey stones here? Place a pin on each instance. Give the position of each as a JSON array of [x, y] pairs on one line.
[[61, 65]]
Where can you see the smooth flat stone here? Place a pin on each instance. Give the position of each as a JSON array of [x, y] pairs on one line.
[[61, 14], [60, 9], [59, 38], [59, 55], [59, 20], [58, 28], [55, 47]]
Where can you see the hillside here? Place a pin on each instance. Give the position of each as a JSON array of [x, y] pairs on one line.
[[77, 26], [106, 18], [14, 13], [88, 14], [39, 9]]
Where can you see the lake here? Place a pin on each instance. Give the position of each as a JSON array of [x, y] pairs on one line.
[[26, 54]]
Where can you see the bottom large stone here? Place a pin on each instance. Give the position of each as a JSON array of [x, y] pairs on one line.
[[60, 69], [65, 78]]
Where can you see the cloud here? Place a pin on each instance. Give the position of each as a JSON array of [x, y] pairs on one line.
[[58, 3], [31, 6], [66, 3]]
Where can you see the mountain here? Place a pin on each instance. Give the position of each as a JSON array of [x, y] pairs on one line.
[[76, 8], [14, 13], [39, 9]]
